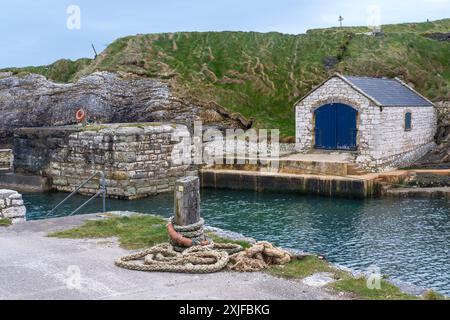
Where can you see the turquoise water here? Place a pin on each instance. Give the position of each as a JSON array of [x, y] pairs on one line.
[[407, 239]]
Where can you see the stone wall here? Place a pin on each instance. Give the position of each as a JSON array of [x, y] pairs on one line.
[[34, 148], [136, 158], [382, 141], [394, 147], [5, 158], [11, 206]]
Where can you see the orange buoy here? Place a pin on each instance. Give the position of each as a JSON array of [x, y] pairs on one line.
[[80, 115]]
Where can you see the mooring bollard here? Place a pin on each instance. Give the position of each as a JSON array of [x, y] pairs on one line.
[[187, 201]]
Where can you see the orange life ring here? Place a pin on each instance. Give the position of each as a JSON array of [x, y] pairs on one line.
[[80, 115], [179, 239]]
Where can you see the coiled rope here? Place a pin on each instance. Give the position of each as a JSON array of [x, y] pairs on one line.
[[194, 231], [207, 258]]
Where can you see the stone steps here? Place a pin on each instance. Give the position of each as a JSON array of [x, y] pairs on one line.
[[354, 170], [315, 164], [311, 184], [314, 167]]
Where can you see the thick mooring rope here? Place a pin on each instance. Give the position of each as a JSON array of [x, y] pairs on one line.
[[171, 257], [163, 258], [260, 256], [213, 257], [194, 231]]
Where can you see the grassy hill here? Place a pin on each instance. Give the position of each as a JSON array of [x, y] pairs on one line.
[[63, 70], [262, 75]]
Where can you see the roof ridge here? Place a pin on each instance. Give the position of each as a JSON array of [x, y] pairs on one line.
[[353, 81], [374, 78], [358, 89], [363, 91]]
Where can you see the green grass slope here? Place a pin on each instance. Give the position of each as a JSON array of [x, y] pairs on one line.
[[262, 75], [62, 70]]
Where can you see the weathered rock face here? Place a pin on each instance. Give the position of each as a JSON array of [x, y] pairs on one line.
[[34, 101], [439, 36], [443, 132], [439, 157]]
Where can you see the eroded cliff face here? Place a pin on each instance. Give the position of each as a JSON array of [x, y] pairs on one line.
[[439, 157], [33, 101]]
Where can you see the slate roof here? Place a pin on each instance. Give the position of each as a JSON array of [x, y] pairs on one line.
[[388, 92]]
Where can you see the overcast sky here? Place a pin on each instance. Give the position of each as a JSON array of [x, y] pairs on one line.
[[38, 32]]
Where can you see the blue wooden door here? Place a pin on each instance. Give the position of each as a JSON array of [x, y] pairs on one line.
[[326, 127], [345, 127], [335, 127]]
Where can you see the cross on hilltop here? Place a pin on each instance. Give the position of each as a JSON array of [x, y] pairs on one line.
[[340, 20]]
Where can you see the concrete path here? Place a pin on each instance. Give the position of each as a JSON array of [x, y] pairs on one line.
[[336, 157], [33, 266]]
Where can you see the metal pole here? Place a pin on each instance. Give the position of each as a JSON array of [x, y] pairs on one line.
[[78, 188], [73, 192], [84, 204], [103, 187]]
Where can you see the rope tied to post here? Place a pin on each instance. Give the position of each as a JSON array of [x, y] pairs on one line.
[[186, 236], [190, 251]]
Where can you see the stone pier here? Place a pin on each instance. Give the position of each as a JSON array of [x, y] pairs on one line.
[[136, 158]]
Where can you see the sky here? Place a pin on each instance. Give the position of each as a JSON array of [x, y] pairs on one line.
[[39, 32]]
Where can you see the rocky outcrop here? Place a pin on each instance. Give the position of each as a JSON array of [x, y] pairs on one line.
[[443, 132], [439, 36], [439, 157], [33, 101]]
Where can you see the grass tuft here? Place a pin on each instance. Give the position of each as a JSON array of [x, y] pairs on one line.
[[5, 222], [433, 295], [301, 268], [134, 232], [345, 282], [358, 287]]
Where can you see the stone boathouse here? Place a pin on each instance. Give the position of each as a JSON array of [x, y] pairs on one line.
[[383, 123]]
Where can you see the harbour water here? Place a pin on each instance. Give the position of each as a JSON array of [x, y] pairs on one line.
[[407, 239]]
